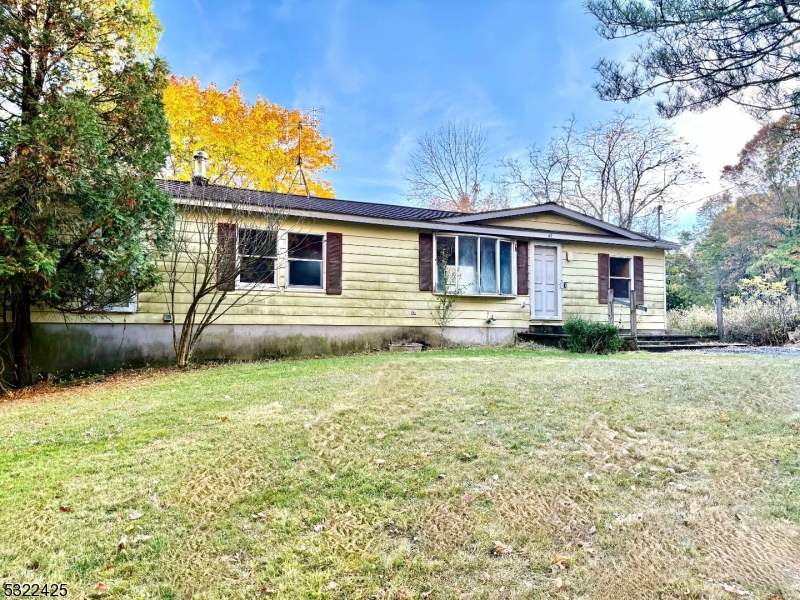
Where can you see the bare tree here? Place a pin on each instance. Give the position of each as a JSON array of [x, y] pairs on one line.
[[225, 254], [617, 171], [549, 170], [447, 169]]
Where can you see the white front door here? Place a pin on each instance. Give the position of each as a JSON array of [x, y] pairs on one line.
[[545, 301]]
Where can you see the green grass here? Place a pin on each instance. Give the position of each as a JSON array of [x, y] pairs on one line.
[[458, 474]]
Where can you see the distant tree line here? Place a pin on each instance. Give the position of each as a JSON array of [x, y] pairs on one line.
[[752, 230]]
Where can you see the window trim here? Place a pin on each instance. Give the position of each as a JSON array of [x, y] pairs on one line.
[[479, 294], [322, 261], [244, 285], [631, 293]]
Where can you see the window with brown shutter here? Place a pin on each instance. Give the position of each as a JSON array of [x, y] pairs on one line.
[[226, 256], [333, 264], [522, 268], [602, 278], [426, 262], [638, 279]]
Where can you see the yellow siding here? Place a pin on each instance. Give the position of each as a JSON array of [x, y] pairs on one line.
[[581, 297], [381, 288], [547, 221]]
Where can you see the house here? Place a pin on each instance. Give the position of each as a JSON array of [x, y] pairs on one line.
[[368, 273]]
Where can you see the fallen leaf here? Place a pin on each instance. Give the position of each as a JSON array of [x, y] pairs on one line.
[[558, 583], [481, 423], [223, 418], [560, 561], [122, 543], [134, 516], [379, 462], [101, 588], [65, 508], [468, 498], [259, 516], [501, 549], [141, 538], [735, 590]]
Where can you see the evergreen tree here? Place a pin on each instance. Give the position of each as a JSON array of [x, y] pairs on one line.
[[82, 138]]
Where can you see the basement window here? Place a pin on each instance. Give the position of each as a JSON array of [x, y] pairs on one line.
[[474, 265], [305, 260], [257, 255], [620, 278]]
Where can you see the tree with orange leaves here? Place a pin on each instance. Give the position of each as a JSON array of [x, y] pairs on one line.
[[250, 145]]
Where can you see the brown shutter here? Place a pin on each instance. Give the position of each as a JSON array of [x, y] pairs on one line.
[[333, 264], [602, 278], [522, 268], [426, 262], [638, 279], [226, 256]]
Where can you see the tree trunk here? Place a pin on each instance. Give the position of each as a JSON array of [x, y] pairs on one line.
[[21, 336], [184, 350]]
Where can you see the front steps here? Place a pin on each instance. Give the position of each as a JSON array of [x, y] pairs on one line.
[[555, 336]]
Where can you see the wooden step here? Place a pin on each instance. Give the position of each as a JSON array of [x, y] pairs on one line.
[[664, 347]]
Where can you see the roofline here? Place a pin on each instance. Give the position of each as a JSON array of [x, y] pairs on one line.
[[436, 226], [546, 207]]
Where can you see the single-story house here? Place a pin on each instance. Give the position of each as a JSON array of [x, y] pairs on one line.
[[367, 274]]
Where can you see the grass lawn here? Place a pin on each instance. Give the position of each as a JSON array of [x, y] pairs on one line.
[[459, 474]]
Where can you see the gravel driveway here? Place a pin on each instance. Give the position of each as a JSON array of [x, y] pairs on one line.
[[760, 350]]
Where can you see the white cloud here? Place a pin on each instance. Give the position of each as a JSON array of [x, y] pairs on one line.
[[718, 134]]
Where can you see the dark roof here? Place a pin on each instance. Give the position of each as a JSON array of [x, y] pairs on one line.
[[184, 189]]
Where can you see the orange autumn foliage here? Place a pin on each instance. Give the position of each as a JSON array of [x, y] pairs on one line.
[[249, 145]]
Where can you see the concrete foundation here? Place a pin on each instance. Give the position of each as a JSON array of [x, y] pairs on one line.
[[66, 351]]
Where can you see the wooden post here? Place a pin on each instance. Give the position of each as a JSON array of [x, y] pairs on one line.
[[720, 324], [610, 306], [634, 332]]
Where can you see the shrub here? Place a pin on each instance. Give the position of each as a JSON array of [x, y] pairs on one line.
[[694, 320], [592, 338], [757, 321]]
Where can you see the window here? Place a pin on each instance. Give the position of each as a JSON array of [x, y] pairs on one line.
[[129, 307], [474, 265], [257, 252], [620, 278], [305, 260]]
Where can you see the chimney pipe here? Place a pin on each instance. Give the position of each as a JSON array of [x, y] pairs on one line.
[[199, 176]]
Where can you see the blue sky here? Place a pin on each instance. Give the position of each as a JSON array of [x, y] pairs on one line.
[[386, 71]]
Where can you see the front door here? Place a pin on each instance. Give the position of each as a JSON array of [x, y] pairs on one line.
[[545, 301]]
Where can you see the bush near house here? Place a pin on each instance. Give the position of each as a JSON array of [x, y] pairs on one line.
[[592, 338]]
